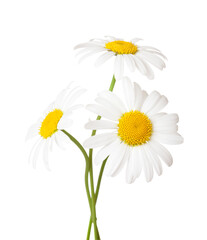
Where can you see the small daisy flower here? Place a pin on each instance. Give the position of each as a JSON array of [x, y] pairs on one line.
[[56, 117], [136, 133], [136, 56]]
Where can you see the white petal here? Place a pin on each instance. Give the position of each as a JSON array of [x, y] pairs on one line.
[[148, 70], [36, 152], [168, 138], [150, 101], [110, 106], [147, 166], [99, 140], [158, 106], [106, 151], [134, 166], [73, 97], [128, 90], [114, 99], [130, 62], [153, 59], [58, 140], [162, 152], [115, 159], [103, 58], [100, 124], [168, 119], [45, 154], [140, 65], [64, 123], [134, 40], [119, 67], [33, 131], [102, 111], [172, 128], [138, 96], [157, 116], [121, 164], [87, 44], [155, 53], [90, 53], [154, 159]]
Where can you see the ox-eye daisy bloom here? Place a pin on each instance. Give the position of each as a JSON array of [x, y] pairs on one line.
[[138, 130], [135, 55], [56, 117]]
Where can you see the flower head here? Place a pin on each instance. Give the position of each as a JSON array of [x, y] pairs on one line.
[[56, 117], [135, 56], [137, 131]]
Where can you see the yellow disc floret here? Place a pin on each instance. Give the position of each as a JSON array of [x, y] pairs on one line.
[[49, 124], [134, 128], [121, 47]]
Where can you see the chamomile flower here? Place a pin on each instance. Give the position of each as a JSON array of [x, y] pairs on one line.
[[48, 128], [135, 56], [137, 130]]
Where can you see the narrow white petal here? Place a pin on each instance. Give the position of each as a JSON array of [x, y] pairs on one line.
[[134, 40], [121, 164], [150, 101], [33, 149], [172, 128], [153, 59], [128, 90], [87, 44], [102, 111], [33, 131], [149, 48], [158, 106], [110, 106], [140, 65], [149, 73], [103, 58], [157, 116], [99, 140], [64, 123], [134, 166], [162, 152], [106, 151], [101, 124], [36, 152], [154, 159], [171, 139], [147, 166], [73, 97], [130, 62], [90, 53], [114, 99], [169, 118], [45, 154], [155, 53], [119, 67], [138, 96], [58, 141], [115, 159]]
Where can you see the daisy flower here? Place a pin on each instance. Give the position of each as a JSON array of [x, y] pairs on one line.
[[55, 118], [136, 56], [136, 133]]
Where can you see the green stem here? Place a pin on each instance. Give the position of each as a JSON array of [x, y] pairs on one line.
[[74, 140], [101, 171]]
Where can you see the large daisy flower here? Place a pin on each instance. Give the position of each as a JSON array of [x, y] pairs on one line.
[[55, 118], [135, 56], [137, 131]]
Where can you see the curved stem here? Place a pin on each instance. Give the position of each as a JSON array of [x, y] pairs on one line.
[[100, 174], [74, 140]]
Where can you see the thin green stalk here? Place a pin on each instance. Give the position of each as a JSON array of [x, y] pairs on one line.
[[74, 140], [101, 171]]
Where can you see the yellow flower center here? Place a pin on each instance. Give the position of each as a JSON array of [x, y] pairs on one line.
[[134, 128], [121, 47], [49, 124]]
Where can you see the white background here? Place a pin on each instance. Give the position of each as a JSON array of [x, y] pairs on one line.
[[37, 61]]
